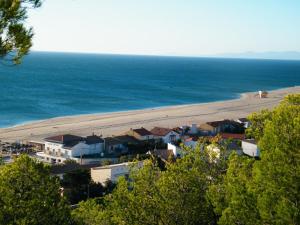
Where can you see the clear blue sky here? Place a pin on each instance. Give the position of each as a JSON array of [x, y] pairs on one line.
[[167, 27]]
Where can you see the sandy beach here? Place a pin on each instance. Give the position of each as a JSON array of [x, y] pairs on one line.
[[109, 124]]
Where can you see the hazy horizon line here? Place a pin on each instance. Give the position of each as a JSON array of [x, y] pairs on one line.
[[231, 55]]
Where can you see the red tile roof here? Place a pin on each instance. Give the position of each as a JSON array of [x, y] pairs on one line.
[[191, 139], [69, 140], [160, 131], [142, 131], [64, 138]]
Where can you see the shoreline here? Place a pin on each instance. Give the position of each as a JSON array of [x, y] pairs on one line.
[[113, 123], [29, 122]]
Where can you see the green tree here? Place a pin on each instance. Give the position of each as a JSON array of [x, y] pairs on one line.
[[277, 175], [29, 195], [135, 201], [183, 188], [258, 121], [265, 191], [15, 37], [91, 212], [151, 196], [76, 185], [233, 198], [79, 186]]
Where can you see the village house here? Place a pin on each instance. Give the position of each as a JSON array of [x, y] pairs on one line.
[[165, 134], [62, 147], [111, 172], [141, 134], [193, 129], [118, 145], [179, 130], [164, 154], [36, 145], [215, 127], [211, 128], [250, 148]]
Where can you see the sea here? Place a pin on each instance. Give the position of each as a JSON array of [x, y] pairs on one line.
[[48, 85]]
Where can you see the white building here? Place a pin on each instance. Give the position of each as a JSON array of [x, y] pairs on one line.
[[177, 151], [250, 148], [165, 134], [111, 172], [62, 147]]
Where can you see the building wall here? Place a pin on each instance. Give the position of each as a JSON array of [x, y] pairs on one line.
[[142, 138], [84, 149], [167, 139], [250, 149], [193, 129], [139, 137], [56, 153], [57, 150], [38, 146], [118, 171], [112, 172], [116, 147], [176, 150], [100, 175]]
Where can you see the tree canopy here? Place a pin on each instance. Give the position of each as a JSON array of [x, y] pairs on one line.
[[199, 189], [30, 196], [265, 191], [15, 37]]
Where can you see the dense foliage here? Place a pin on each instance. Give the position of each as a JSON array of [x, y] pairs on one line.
[[265, 191], [15, 37], [30, 196], [200, 188]]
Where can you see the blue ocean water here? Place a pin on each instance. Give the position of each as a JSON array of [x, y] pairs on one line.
[[48, 85]]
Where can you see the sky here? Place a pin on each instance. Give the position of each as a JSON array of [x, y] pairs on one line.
[[166, 27]]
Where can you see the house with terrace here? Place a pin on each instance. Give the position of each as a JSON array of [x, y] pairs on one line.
[[118, 145], [141, 134], [226, 126], [165, 134], [63, 147]]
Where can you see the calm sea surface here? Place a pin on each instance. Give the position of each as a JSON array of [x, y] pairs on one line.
[[48, 85]]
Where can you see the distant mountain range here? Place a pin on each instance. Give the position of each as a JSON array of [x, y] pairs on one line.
[[286, 55]]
